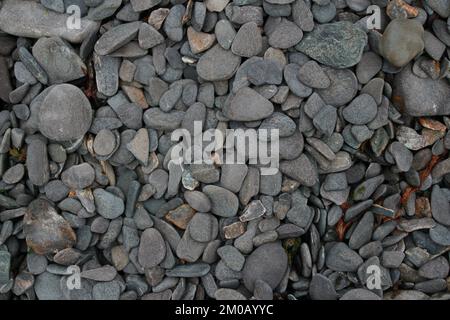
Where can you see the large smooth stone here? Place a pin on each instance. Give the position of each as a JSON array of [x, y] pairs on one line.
[[32, 20]]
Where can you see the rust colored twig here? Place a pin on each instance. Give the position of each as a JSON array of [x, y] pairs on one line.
[[342, 227], [423, 175]]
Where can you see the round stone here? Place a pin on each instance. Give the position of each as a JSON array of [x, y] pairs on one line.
[[79, 176], [14, 174], [402, 41], [218, 64], [65, 113], [152, 248], [224, 203], [108, 205], [104, 142], [361, 110], [203, 227], [268, 262]]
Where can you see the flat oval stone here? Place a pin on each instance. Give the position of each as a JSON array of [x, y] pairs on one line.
[[32, 20], [116, 37], [79, 176], [363, 231], [107, 204], [281, 122], [228, 294], [203, 227], [440, 207], [341, 258], [360, 294], [65, 114], [247, 105], [339, 44], [105, 142], [441, 235], [361, 110], [14, 174], [268, 262], [437, 268], [152, 248], [217, 64], [198, 201], [224, 203], [189, 270], [48, 287]]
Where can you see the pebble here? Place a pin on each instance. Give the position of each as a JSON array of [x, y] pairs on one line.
[[228, 294], [440, 206], [199, 41], [321, 288], [40, 22], [14, 174], [142, 5], [338, 44], [47, 287], [301, 170], [437, 268], [116, 37], [198, 201], [203, 227], [343, 87], [360, 294], [60, 118], [262, 291], [361, 110], [362, 232], [402, 156], [40, 216], [313, 76], [152, 248], [302, 15], [369, 65], [257, 107], [107, 74], [106, 291], [189, 270], [440, 234], [107, 204], [406, 83], [139, 146], [225, 34], [400, 52], [173, 23], [259, 267], [248, 40], [341, 258], [149, 37], [79, 176], [217, 64], [59, 61], [231, 257]]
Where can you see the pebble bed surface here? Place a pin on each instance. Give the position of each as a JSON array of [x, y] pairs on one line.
[[87, 188]]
